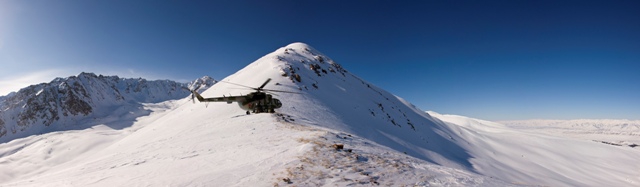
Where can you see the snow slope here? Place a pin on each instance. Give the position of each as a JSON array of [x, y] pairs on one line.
[[535, 158], [387, 141]]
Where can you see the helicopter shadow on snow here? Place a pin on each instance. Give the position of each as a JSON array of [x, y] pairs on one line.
[[243, 115], [237, 116]]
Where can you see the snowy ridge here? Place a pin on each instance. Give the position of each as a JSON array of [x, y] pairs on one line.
[[83, 101]]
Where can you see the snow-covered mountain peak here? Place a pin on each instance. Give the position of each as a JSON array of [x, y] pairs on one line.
[[87, 74], [202, 83], [332, 98], [299, 45]]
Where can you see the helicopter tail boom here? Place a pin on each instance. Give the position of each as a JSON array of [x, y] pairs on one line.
[[227, 99]]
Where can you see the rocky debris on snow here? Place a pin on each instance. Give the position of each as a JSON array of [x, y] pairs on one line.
[[364, 165], [284, 118], [338, 146]]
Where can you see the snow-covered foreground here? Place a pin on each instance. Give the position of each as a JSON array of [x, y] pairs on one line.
[[214, 147], [186, 146], [386, 141]]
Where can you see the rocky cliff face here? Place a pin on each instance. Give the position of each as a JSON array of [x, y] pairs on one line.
[[80, 96]]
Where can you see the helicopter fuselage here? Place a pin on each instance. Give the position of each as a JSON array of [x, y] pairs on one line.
[[259, 102]]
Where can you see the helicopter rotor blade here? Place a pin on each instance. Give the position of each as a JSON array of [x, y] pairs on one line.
[[256, 89], [264, 84], [280, 91], [270, 93], [240, 85], [242, 88]]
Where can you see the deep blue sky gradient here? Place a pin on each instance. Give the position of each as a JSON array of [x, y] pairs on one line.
[[494, 60]]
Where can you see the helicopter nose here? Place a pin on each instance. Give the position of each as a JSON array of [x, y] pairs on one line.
[[277, 102]]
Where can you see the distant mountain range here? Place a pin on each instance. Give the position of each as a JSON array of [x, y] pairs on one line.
[[67, 103]]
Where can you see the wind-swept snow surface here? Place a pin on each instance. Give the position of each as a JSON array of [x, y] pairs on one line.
[[535, 158], [384, 141]]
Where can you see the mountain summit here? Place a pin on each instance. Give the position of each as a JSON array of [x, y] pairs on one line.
[[333, 98]]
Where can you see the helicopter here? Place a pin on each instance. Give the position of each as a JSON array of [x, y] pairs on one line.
[[259, 101]]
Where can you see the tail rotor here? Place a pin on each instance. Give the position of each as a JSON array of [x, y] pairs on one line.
[[193, 99]]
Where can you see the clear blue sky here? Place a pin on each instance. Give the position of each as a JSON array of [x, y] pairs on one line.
[[493, 60]]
